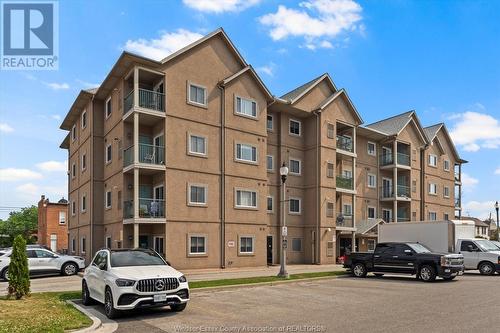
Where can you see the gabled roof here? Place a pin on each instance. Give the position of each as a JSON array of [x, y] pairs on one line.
[[431, 133], [344, 94], [80, 102], [364, 226], [394, 125], [252, 71], [297, 93]]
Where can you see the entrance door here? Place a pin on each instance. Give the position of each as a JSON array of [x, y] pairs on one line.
[[387, 188], [269, 250], [387, 215], [53, 242], [143, 242], [158, 244], [159, 144]]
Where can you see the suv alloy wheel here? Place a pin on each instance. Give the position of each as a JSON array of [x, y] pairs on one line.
[[109, 308]]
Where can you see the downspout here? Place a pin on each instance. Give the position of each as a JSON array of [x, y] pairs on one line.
[[317, 113], [222, 175], [91, 222], [422, 182]]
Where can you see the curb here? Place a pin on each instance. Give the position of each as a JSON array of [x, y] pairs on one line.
[[97, 323]]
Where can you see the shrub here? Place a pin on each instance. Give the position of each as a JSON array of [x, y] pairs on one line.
[[19, 280]]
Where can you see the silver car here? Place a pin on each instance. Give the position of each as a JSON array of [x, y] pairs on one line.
[[44, 262]]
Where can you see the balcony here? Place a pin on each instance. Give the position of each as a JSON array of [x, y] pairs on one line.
[[148, 154], [148, 208], [148, 99], [402, 191], [345, 143], [403, 218], [457, 177], [344, 220], [344, 183], [402, 159]]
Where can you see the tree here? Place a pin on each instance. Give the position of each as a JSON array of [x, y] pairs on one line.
[[19, 279], [23, 222]]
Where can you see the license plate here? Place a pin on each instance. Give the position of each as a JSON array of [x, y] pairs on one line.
[[159, 298]]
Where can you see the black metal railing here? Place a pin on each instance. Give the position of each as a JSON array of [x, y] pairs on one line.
[[148, 99]]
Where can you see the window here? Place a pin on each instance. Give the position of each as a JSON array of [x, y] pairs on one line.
[[73, 133], [197, 145], [446, 217], [347, 174], [108, 199], [297, 244], [330, 131], [246, 245], [414, 186], [295, 167], [372, 213], [466, 245], [84, 203], [246, 199], [108, 242], [413, 216], [247, 153], [107, 107], [84, 119], [432, 188], [83, 245], [73, 170], [73, 208], [197, 195], [446, 165], [270, 122], [329, 170], [197, 94], [347, 211], [294, 206], [270, 204], [270, 162], [372, 180], [108, 153], [246, 107], [330, 207], [432, 216], [370, 243], [372, 148], [294, 127], [433, 160], [84, 161], [446, 192], [197, 244], [73, 245], [62, 217], [119, 199]]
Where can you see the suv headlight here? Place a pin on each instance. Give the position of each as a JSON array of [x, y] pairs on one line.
[[182, 279], [124, 282]]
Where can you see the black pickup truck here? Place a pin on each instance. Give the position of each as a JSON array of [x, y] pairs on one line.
[[406, 258]]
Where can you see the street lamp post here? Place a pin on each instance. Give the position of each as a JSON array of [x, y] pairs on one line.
[[498, 224], [283, 273]]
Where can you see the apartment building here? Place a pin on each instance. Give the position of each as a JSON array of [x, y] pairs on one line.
[[53, 224], [182, 155]]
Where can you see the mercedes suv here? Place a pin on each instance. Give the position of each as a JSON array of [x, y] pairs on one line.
[[127, 279]]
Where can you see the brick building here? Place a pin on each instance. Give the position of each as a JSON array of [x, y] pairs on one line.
[[52, 224]]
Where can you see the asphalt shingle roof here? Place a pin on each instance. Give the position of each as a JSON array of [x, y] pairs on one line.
[[364, 226], [92, 90], [291, 95], [392, 125], [431, 131]]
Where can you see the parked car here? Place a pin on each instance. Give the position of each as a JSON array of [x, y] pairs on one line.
[[44, 262], [406, 258], [480, 254], [497, 244], [127, 279]]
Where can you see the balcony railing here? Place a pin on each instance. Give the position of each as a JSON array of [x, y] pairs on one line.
[[148, 99], [344, 182], [344, 220], [148, 208], [403, 218], [386, 159], [388, 191], [402, 158], [457, 176], [148, 154], [344, 143]]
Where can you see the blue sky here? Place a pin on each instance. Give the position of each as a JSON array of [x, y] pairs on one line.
[[441, 58]]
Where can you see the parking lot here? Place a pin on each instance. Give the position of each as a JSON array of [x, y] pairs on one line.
[[388, 304]]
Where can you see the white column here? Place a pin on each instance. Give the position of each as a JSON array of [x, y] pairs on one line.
[[136, 87], [136, 160], [136, 193], [136, 235], [395, 181], [165, 242]]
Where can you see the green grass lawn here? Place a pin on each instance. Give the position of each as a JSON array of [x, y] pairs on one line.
[[41, 312]]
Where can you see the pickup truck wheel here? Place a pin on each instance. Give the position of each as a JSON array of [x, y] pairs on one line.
[[427, 273], [359, 270], [486, 268]]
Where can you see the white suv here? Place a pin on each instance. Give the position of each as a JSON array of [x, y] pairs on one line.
[[127, 279]]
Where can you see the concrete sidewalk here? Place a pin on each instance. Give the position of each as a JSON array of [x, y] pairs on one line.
[[71, 283]]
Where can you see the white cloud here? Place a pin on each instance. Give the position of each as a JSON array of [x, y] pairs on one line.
[[27, 189], [497, 171], [56, 117], [57, 86], [13, 175], [316, 21], [5, 128], [474, 130], [267, 69], [220, 6], [87, 84], [168, 43], [478, 209], [468, 182], [50, 166]]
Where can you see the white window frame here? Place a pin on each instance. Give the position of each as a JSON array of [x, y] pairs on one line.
[[290, 166], [73, 170], [84, 165], [236, 190], [63, 220], [252, 237], [433, 157], [189, 101], [272, 122], [272, 204], [432, 185], [444, 165], [444, 191], [446, 216], [243, 160], [344, 209], [83, 124], [73, 133], [73, 245], [374, 148], [272, 163], [83, 198], [190, 148], [301, 244], [290, 206], [390, 213], [368, 180], [108, 155], [82, 242], [370, 245], [368, 212], [429, 216], [197, 204], [107, 204], [194, 254], [107, 112], [300, 127], [241, 114], [73, 208]]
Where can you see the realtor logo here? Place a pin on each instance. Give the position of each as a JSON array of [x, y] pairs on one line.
[[30, 35]]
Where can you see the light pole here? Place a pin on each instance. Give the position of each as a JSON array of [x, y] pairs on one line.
[[283, 273], [498, 224]]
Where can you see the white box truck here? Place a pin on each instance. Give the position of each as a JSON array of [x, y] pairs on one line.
[[447, 237]]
